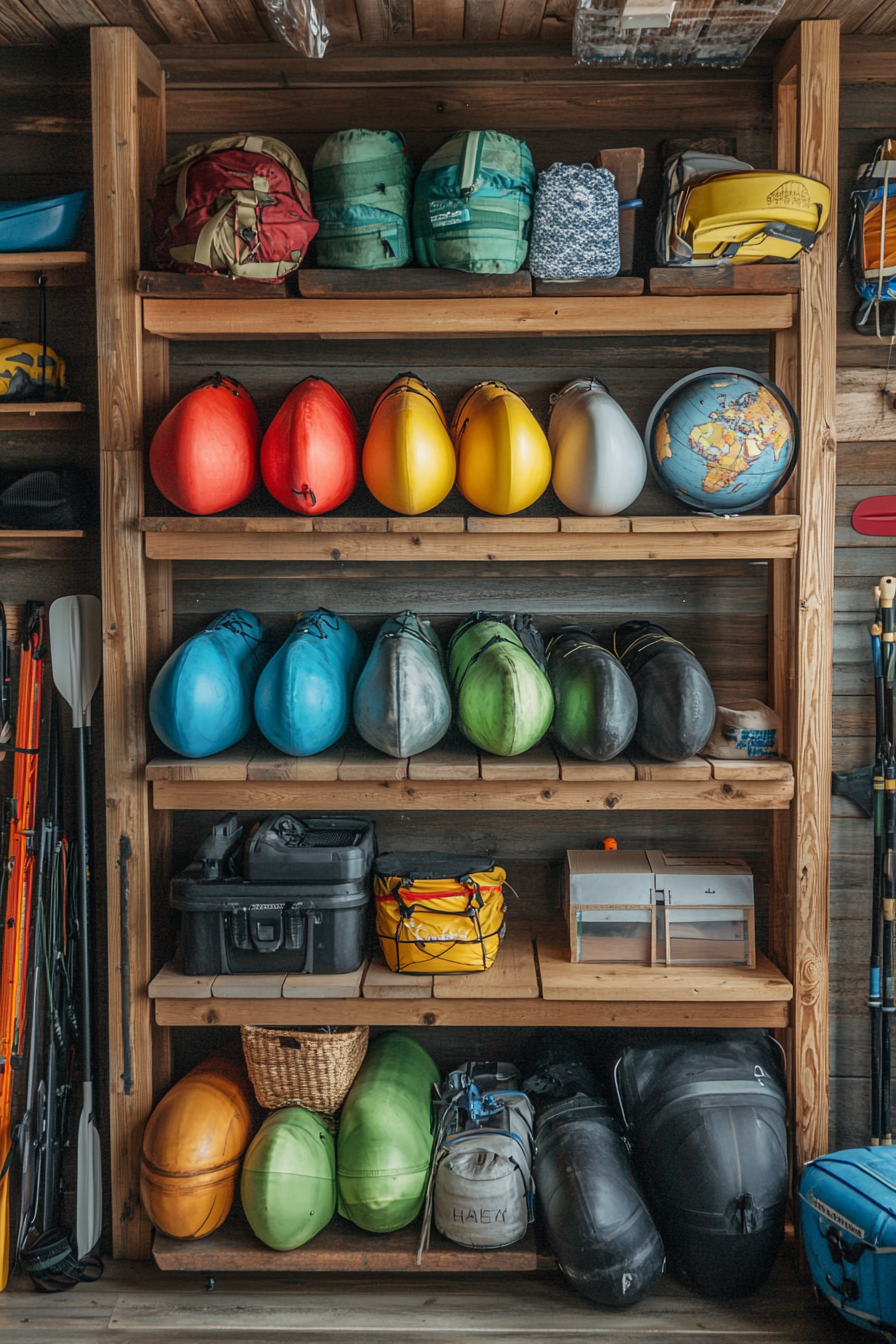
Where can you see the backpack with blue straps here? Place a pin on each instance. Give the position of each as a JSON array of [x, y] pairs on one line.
[[872, 240], [481, 1191], [473, 204]]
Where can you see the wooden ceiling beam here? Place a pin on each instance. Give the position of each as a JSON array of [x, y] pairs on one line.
[[183, 21], [522, 19], [21, 27], [234, 21], [131, 14]]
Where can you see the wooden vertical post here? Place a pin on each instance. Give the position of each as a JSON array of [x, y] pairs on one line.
[[810, 61], [127, 99]]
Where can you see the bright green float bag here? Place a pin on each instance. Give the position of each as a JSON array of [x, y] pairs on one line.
[[385, 1138], [503, 697], [288, 1185], [473, 204], [361, 187]]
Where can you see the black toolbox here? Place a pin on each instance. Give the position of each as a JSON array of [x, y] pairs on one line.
[[303, 910]]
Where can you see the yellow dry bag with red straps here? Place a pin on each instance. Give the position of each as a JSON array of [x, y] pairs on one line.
[[438, 914]]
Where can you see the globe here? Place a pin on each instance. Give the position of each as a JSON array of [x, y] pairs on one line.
[[722, 440]]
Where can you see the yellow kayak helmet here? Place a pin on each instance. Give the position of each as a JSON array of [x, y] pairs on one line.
[[408, 459], [740, 217], [21, 369], [503, 457]]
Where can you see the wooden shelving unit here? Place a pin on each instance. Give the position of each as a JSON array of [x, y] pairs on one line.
[[786, 990]]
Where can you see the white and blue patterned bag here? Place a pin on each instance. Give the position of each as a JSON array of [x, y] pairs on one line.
[[575, 224]]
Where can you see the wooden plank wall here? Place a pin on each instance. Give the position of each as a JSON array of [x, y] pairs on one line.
[[46, 150], [868, 112]]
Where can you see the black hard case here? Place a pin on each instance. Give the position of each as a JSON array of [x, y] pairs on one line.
[[231, 925]]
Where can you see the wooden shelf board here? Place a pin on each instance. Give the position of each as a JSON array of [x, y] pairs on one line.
[[432, 1012], [766, 537], [42, 261], [597, 287], [237, 319], [37, 415], [461, 795], [409, 282], [342, 1247], [681, 281], [523, 987], [18, 545], [592, 982], [21, 270]]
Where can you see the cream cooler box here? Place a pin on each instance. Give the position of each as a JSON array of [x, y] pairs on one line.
[[651, 908]]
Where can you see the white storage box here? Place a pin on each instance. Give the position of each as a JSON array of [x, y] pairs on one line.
[[656, 909]]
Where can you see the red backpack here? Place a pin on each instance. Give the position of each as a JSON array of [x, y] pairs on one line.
[[239, 205]]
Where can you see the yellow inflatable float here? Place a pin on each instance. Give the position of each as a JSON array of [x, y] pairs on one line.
[[503, 458], [408, 458]]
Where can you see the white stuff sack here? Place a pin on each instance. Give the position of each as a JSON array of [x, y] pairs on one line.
[[745, 730]]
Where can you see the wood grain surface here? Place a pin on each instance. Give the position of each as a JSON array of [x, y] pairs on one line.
[[222, 319], [118, 110]]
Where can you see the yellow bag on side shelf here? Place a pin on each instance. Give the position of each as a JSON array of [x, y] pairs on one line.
[[438, 914]]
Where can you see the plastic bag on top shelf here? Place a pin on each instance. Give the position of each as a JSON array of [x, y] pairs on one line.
[[302, 24]]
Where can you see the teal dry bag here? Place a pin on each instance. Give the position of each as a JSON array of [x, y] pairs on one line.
[[385, 1138], [361, 188], [473, 204], [201, 701]]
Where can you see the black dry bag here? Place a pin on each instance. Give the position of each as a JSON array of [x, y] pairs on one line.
[[676, 706], [595, 1217], [44, 501], [591, 1207], [706, 1121]]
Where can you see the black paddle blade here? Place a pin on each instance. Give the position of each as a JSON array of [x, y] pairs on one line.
[[855, 784]]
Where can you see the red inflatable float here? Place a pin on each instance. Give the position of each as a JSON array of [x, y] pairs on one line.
[[310, 453], [204, 455]]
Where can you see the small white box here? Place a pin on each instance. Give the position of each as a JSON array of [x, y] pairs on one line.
[[657, 909]]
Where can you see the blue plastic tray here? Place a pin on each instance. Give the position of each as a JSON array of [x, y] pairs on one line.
[[49, 225]]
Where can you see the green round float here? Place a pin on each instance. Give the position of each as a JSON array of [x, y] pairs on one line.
[[288, 1184]]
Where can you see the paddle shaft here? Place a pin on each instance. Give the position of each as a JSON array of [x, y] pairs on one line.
[[83, 842], [874, 995]]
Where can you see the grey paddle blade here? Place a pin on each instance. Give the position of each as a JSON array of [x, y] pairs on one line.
[[76, 651], [89, 1198]]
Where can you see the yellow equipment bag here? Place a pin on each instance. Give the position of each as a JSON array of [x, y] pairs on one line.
[[408, 458], [503, 457], [739, 217], [438, 914]]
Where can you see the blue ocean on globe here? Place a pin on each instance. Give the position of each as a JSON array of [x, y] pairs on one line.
[[722, 442]]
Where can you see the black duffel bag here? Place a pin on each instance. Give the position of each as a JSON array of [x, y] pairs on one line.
[[707, 1124]]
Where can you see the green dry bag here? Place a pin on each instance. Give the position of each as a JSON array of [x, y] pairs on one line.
[[288, 1185], [385, 1136], [361, 187], [503, 697]]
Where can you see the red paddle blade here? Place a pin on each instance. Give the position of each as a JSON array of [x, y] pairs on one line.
[[876, 517]]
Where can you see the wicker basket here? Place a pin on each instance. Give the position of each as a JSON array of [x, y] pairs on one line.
[[314, 1069]]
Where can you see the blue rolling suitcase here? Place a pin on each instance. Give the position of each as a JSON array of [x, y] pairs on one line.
[[848, 1214]]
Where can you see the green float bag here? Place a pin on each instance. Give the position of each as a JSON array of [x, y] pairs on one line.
[[361, 186], [473, 204], [385, 1136], [503, 697], [288, 1184]]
